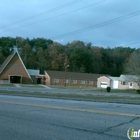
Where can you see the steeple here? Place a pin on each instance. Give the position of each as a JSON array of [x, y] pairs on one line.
[[15, 49]]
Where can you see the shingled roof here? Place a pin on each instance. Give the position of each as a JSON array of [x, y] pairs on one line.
[[73, 75], [6, 62]]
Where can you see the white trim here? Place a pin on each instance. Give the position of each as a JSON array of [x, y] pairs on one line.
[[115, 84], [65, 81], [74, 81], [82, 82], [15, 75], [90, 82], [56, 80], [130, 84], [103, 84]]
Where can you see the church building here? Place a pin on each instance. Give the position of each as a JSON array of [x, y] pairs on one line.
[[13, 70]]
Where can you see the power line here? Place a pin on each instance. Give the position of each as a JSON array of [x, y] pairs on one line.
[[132, 43], [46, 12], [98, 25], [57, 16]]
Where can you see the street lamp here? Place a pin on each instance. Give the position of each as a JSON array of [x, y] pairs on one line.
[[66, 66]]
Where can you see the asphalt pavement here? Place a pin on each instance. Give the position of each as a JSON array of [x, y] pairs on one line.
[[54, 119]]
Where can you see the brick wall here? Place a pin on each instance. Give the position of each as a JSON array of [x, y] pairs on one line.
[[15, 67]]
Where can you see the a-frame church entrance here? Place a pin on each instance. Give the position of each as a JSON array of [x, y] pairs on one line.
[[14, 70], [15, 79]]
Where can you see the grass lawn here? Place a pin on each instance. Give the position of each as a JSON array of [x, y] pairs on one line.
[[117, 90], [85, 97], [7, 85], [67, 87], [31, 85], [85, 88]]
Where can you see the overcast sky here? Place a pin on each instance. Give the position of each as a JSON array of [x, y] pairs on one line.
[[102, 22]]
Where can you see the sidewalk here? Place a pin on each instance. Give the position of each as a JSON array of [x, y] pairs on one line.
[[17, 85], [46, 86]]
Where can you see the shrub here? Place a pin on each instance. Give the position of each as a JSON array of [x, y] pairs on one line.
[[108, 89], [138, 91]]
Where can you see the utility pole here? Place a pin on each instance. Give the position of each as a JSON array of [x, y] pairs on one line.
[[65, 66]]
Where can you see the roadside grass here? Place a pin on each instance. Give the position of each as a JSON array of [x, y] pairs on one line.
[[85, 97], [124, 91], [23, 85], [118, 91], [65, 87], [31, 85], [94, 89], [83, 88], [7, 85]]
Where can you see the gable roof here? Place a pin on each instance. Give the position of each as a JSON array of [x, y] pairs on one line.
[[73, 75], [129, 77], [104, 76], [115, 78], [124, 78], [7, 61]]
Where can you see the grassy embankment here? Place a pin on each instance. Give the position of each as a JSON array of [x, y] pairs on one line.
[[86, 96]]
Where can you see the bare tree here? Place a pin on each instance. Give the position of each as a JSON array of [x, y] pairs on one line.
[[132, 66]]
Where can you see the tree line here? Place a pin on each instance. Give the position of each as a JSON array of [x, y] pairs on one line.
[[45, 54]]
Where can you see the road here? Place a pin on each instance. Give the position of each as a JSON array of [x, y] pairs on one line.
[[28, 118]]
